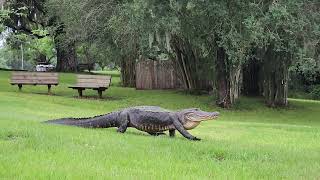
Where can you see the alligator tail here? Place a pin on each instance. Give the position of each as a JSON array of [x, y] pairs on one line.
[[93, 122]]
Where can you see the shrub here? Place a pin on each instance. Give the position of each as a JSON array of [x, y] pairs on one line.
[[315, 92]]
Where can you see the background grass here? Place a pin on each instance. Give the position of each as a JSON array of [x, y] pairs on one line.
[[248, 142]]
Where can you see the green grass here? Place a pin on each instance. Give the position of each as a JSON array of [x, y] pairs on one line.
[[113, 73], [248, 142]]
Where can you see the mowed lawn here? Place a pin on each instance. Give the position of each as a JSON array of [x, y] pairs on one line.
[[248, 142]]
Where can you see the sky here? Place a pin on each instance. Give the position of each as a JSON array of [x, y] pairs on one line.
[[1, 42], [2, 38]]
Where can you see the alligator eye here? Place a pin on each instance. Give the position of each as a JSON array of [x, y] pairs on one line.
[[190, 114]]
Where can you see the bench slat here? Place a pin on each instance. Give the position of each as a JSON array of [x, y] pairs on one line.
[[80, 76], [93, 84], [41, 74], [33, 82], [34, 78], [98, 81], [87, 87]]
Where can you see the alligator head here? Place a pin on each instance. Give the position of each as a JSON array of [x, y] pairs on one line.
[[191, 118]]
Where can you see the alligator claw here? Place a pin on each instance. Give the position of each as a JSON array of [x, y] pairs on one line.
[[195, 139]]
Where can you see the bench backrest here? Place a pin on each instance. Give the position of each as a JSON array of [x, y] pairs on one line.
[[85, 66], [93, 80], [36, 78]]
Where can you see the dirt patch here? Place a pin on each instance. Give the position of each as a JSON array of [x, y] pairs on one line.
[[219, 156], [12, 136]]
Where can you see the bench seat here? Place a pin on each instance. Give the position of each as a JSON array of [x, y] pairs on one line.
[[95, 82]]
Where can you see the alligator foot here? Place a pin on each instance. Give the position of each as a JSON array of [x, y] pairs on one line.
[[195, 139], [172, 133]]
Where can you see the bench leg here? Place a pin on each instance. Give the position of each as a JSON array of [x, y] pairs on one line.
[[49, 88], [80, 92], [20, 86], [100, 94]]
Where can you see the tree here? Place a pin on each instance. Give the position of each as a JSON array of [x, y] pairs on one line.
[[215, 29], [84, 24], [31, 17], [279, 29], [206, 40], [35, 50]]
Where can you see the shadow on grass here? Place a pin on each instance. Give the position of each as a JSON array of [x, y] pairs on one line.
[[138, 133], [106, 98], [89, 97]]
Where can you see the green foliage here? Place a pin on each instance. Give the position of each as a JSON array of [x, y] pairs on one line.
[[25, 16], [86, 23], [113, 31], [125, 27], [281, 25], [315, 92], [26, 27], [33, 48], [11, 59], [308, 69], [4, 14], [3, 59]]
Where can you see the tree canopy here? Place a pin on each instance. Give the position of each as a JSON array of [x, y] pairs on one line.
[[208, 40]]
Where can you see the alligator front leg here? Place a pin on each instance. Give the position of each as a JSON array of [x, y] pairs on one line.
[[122, 128], [184, 132]]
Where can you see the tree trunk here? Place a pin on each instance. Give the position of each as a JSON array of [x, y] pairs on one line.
[[66, 52], [275, 81], [317, 54], [251, 78], [66, 57], [128, 71], [183, 57], [189, 67], [228, 80]]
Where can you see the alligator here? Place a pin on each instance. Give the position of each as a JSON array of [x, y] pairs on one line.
[[151, 119]]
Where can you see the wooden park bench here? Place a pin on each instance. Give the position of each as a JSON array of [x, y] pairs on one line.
[[95, 82], [34, 78], [85, 66]]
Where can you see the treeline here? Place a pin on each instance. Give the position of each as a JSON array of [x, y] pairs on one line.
[[245, 46]]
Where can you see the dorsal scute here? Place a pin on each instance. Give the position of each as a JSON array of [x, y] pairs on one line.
[[151, 108], [85, 118]]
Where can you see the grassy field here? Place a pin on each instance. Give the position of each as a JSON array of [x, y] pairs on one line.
[[248, 142]]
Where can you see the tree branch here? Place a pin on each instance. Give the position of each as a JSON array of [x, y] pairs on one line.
[[25, 30]]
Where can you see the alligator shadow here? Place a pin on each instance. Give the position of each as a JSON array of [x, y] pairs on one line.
[[144, 134]]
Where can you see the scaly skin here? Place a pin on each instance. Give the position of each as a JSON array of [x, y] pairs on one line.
[[151, 119]]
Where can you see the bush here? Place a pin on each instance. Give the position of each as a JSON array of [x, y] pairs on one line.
[[315, 92]]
